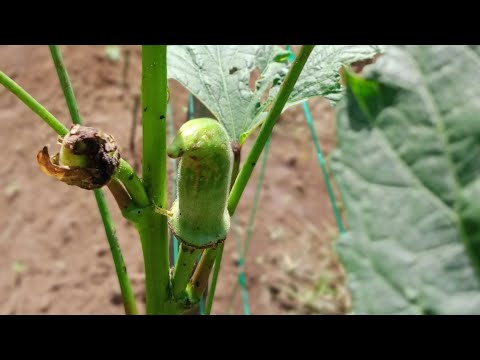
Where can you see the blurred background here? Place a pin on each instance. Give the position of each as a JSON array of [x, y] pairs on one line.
[[54, 256]]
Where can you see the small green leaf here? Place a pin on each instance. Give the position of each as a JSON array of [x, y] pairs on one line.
[[408, 169], [321, 76], [283, 57], [366, 92]]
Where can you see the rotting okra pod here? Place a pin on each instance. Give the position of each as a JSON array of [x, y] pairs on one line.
[[88, 158]]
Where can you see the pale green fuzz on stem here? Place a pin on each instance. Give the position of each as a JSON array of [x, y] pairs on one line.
[[200, 217]]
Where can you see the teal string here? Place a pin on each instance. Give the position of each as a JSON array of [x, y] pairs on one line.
[[202, 306], [242, 279], [191, 107], [191, 114], [175, 248], [258, 189], [321, 158], [323, 165], [238, 241], [171, 130], [291, 58]]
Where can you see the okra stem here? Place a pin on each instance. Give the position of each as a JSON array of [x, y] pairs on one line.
[[123, 279], [33, 104], [267, 127], [132, 183], [199, 280], [153, 228]]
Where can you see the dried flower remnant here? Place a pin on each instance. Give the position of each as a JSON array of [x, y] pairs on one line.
[[88, 158]]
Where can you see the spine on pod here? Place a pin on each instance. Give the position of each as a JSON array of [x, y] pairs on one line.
[[200, 216]]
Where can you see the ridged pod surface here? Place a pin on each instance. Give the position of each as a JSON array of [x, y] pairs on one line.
[[200, 217]]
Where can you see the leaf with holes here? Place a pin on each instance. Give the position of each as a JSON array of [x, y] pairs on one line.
[[408, 170], [222, 77]]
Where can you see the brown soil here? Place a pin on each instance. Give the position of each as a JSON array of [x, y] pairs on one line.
[[54, 257]]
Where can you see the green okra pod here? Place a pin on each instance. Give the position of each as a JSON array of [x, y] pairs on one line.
[[200, 217]]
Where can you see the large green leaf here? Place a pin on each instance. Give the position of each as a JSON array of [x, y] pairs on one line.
[[408, 169], [219, 76]]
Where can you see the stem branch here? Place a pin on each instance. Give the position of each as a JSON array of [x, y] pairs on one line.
[[65, 83], [267, 127], [33, 104], [121, 269], [132, 183], [199, 280]]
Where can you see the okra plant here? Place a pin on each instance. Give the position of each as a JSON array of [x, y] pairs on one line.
[[211, 179]]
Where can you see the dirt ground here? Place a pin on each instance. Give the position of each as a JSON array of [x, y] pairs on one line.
[[54, 256]]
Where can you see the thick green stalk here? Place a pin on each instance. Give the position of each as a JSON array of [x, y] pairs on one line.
[[153, 227], [187, 258], [33, 104], [154, 102], [156, 276], [121, 269], [265, 132], [267, 127]]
